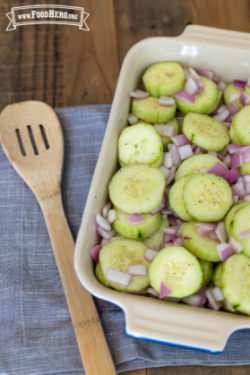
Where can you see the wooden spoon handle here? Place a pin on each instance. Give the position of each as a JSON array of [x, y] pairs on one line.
[[92, 343]]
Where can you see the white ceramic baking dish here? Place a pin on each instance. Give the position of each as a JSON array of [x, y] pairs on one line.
[[227, 53]]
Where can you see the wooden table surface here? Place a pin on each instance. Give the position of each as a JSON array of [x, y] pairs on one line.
[[64, 66]]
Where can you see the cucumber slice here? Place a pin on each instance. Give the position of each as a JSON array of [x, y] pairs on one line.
[[137, 188], [164, 78], [207, 268], [241, 125], [138, 231], [230, 89], [240, 223], [194, 163], [153, 241], [231, 213], [217, 275], [166, 140], [247, 90], [178, 269], [233, 137], [235, 285], [245, 168], [99, 275], [205, 101], [205, 132], [202, 247], [119, 254], [140, 144], [150, 111], [175, 197], [207, 197]]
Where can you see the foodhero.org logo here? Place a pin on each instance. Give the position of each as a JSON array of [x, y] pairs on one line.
[[47, 13]]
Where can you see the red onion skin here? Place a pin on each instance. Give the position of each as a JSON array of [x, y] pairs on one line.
[[238, 84], [183, 95], [231, 176]]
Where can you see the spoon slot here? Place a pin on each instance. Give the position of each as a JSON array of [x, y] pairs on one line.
[[32, 139], [20, 142], [45, 139]]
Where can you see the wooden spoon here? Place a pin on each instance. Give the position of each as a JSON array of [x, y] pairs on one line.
[[32, 139]]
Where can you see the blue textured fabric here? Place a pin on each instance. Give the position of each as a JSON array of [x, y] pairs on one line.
[[36, 335]]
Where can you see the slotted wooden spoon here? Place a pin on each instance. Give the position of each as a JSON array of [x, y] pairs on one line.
[[32, 139]]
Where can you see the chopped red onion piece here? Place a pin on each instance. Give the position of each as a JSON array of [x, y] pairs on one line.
[[248, 82], [159, 208], [165, 171], [246, 178], [247, 198], [233, 97], [217, 169], [175, 154], [233, 149], [169, 243], [171, 175], [202, 232], [229, 307], [170, 230], [193, 73], [241, 179], [186, 72], [180, 140], [152, 291], [246, 155], [197, 78], [238, 84], [191, 86], [138, 270], [244, 98], [218, 109], [106, 209], [236, 161], [150, 254], [227, 160], [132, 119], [235, 199], [202, 293], [233, 108], [111, 216], [95, 252], [220, 232], [237, 247], [180, 230], [214, 305], [232, 175], [184, 96], [244, 234], [165, 130], [215, 80], [222, 116], [139, 94], [239, 189], [167, 160], [217, 294], [224, 251], [221, 86], [197, 150], [193, 300], [230, 118], [227, 124], [167, 237], [118, 277], [214, 153], [213, 235], [165, 290], [106, 235], [102, 222], [206, 226], [167, 101], [185, 151], [206, 73], [178, 242], [244, 149], [134, 218], [103, 242]]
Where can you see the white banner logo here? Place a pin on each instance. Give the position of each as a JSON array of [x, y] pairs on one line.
[[47, 13]]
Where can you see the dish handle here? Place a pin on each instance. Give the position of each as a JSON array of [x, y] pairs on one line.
[[214, 36], [162, 322]]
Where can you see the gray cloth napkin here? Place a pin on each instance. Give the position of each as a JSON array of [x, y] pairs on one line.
[[36, 335]]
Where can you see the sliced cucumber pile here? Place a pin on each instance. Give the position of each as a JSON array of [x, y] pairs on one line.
[[150, 110], [178, 269], [138, 231], [205, 132], [140, 144], [177, 226], [164, 78]]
